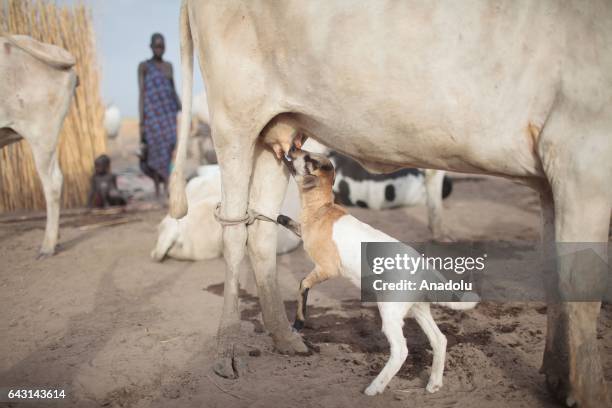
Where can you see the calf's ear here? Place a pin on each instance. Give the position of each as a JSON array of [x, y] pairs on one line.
[[310, 181]]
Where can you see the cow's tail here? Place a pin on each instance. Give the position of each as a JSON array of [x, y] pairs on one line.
[[178, 198]]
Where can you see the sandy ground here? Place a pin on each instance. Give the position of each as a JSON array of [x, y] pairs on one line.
[[114, 329]]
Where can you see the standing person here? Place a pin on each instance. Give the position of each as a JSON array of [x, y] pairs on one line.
[[158, 107]]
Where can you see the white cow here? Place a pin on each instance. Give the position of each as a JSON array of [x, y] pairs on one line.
[[201, 147], [112, 121], [198, 236], [37, 82], [516, 88]]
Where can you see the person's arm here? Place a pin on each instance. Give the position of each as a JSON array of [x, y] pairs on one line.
[[141, 74], [178, 100]]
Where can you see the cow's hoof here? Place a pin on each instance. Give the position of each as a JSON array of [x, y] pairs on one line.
[[291, 344], [157, 257], [559, 389], [229, 367], [443, 236], [47, 251], [44, 254]]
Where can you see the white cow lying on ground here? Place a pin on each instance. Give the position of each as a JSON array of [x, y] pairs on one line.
[[37, 82], [198, 235], [201, 146]]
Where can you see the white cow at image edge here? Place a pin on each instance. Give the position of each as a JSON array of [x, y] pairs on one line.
[[518, 89], [33, 106]]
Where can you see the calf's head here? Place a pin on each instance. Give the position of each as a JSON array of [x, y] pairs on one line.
[[311, 170]]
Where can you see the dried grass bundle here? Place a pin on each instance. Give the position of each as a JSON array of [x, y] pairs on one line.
[[82, 137]]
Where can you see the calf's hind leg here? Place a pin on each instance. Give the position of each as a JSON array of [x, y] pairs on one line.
[[392, 315], [422, 314]]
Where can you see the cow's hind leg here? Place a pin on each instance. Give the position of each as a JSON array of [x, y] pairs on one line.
[[582, 204], [266, 196], [236, 164], [46, 160], [572, 361]]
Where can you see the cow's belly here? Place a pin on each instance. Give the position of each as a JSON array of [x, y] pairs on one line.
[[430, 84], [408, 89], [384, 146]]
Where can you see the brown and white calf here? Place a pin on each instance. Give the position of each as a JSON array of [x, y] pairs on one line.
[[332, 238]]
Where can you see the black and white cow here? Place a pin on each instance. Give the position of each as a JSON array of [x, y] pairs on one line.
[[355, 186]]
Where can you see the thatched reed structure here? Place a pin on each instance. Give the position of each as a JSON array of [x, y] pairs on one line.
[[82, 137]]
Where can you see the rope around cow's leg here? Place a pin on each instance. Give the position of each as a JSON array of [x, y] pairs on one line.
[[249, 218]]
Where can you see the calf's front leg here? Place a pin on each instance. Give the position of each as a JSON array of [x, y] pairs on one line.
[[316, 276]]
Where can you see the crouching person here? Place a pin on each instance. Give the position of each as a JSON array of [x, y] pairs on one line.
[[104, 192]]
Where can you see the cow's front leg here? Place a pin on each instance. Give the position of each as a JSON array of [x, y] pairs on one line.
[[266, 195], [236, 163]]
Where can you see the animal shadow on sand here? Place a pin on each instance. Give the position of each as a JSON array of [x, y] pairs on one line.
[[56, 362]]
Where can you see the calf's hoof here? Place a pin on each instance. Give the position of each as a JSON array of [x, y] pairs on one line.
[[374, 388], [298, 325]]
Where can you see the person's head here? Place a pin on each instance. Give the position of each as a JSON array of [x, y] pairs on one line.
[[102, 165], [158, 45]]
